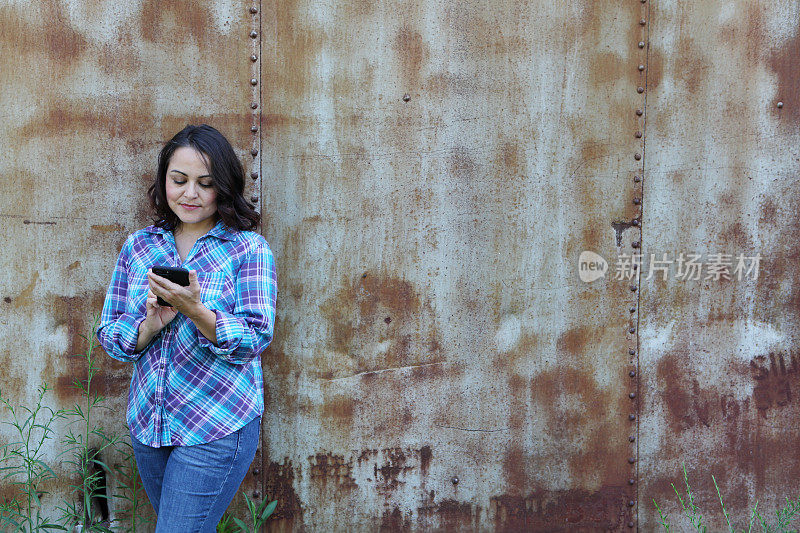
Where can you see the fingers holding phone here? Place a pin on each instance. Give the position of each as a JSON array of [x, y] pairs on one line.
[[159, 315], [177, 288]]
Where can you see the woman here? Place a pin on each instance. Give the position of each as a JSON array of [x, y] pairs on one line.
[[196, 395]]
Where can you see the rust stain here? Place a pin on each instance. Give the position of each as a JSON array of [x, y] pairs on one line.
[[324, 467], [164, 21], [784, 63], [562, 511], [74, 265], [25, 297], [412, 52], [107, 228], [425, 456], [279, 481], [112, 378], [777, 378], [359, 330], [394, 520]]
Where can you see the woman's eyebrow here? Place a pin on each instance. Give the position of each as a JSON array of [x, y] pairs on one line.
[[185, 174]]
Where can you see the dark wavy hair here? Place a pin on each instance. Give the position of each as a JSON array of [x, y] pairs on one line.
[[227, 175]]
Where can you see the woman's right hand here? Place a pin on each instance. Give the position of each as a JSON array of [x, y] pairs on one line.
[[156, 317]]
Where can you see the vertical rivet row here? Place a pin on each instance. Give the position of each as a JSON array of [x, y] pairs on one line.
[[639, 66], [255, 102]]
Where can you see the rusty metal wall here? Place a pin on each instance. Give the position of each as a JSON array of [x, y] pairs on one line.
[[719, 372], [432, 172], [89, 91]]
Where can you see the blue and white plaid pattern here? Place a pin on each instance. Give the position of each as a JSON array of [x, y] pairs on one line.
[[185, 390]]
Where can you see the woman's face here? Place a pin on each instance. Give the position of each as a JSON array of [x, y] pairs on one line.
[[190, 190]]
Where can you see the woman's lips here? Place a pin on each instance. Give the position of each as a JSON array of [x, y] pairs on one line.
[[190, 207]]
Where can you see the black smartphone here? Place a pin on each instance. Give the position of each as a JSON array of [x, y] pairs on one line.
[[175, 275]]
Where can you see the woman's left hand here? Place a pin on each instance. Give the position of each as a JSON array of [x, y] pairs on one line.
[[185, 300]]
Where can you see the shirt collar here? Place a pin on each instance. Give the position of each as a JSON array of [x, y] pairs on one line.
[[220, 230]]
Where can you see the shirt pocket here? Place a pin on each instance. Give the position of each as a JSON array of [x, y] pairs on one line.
[[138, 287], [212, 286]]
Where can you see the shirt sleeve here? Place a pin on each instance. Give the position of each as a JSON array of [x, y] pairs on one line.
[[118, 331], [245, 333]]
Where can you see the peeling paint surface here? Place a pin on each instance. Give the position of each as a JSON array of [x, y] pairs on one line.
[[719, 357], [438, 168]]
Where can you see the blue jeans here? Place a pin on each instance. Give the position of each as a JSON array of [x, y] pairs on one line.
[[191, 486]]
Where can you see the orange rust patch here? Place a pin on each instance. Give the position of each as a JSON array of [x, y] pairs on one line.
[[107, 228], [784, 63], [382, 323], [562, 511], [25, 297]]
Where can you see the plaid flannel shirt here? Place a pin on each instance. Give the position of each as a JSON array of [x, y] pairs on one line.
[[184, 389]]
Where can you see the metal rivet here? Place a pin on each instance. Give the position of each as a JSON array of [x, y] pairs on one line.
[[638, 134], [254, 34], [254, 105], [631, 481], [632, 395], [7, 299], [636, 201], [641, 44], [454, 481], [406, 97], [631, 524], [632, 330], [253, 81], [640, 90], [641, 68], [637, 179], [643, 1], [254, 175], [254, 198], [632, 309], [637, 156], [254, 152], [635, 244], [639, 112], [254, 10], [780, 105], [635, 222], [633, 288], [256, 494], [388, 320], [256, 471], [634, 266], [632, 373], [631, 503], [631, 417], [253, 58], [631, 352], [632, 438], [642, 22], [254, 128], [631, 460]]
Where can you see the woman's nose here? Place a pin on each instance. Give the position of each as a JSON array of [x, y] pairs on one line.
[[191, 190]]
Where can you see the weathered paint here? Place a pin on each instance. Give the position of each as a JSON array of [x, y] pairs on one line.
[[431, 173], [719, 371], [88, 92], [431, 322]]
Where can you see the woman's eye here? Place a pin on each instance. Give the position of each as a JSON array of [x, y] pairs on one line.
[[206, 185], [178, 182]]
